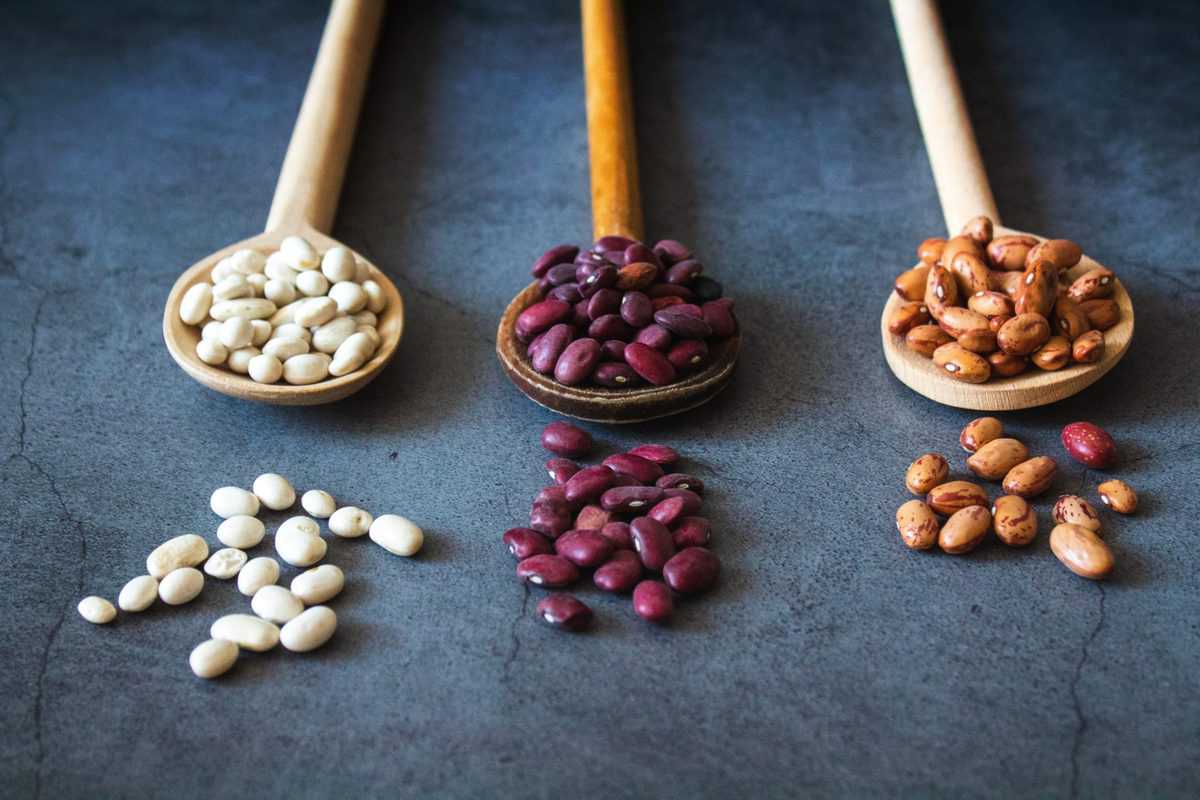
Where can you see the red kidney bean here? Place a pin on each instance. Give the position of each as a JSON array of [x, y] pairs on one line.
[[680, 480], [627, 499], [655, 336], [691, 532], [660, 290], [620, 573], [583, 548], [684, 272], [561, 273], [649, 363], [605, 301], [613, 242], [719, 316], [692, 570], [586, 270], [540, 316], [659, 303], [605, 277], [533, 343], [625, 480], [579, 316], [613, 350], [691, 500], [688, 354], [616, 375], [628, 464], [564, 611], [636, 309], [552, 494], [561, 469], [619, 534], [560, 254], [544, 286], [577, 362], [652, 541], [671, 251], [683, 323], [658, 453], [589, 257], [592, 517], [615, 257], [668, 510], [547, 570], [548, 347], [588, 484], [611, 326], [640, 253], [550, 518], [652, 601], [526, 542], [706, 289], [564, 439], [567, 293]]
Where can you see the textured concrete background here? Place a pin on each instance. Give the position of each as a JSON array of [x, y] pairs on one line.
[[778, 139]]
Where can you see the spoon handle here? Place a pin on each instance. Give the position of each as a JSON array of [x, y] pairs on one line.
[[962, 184], [616, 200], [310, 181]]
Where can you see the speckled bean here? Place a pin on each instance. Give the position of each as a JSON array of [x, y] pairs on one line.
[[1014, 520], [926, 472], [964, 530], [917, 525]]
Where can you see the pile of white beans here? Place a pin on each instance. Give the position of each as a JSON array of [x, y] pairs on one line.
[[295, 616], [294, 315]]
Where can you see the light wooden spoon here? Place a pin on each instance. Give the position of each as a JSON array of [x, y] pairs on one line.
[[617, 211], [305, 203], [964, 193]]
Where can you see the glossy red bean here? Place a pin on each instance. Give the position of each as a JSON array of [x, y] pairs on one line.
[[604, 277], [560, 254], [584, 548], [613, 350], [567, 293], [691, 532], [687, 355], [659, 303], [719, 316], [620, 573], [613, 242], [639, 253], [605, 301], [636, 309], [561, 469], [551, 571], [565, 612], [560, 274], [619, 534], [642, 469], [550, 518], [579, 316], [652, 542], [652, 601], [616, 375], [680, 480], [589, 257], [526, 542], [564, 439], [611, 326], [668, 510], [631, 499], [541, 316], [587, 269], [1089, 444], [592, 517], [577, 362], [692, 570], [658, 453], [655, 336], [588, 484], [684, 272], [691, 500], [625, 480], [671, 251], [681, 322], [649, 363], [546, 349]]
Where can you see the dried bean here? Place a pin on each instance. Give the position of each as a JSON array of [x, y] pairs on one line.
[[719, 316], [1005, 365], [1088, 348], [691, 500], [979, 230], [551, 571], [564, 611], [684, 272], [548, 347], [1092, 285], [965, 529], [541, 316], [642, 469], [652, 542], [978, 432], [691, 532], [930, 250], [561, 469], [688, 354], [613, 350], [616, 375], [669, 510], [592, 517], [910, 284], [1074, 510], [1023, 334], [680, 480], [1119, 496], [917, 525], [993, 461], [926, 472], [926, 339], [1089, 444], [1081, 551], [653, 336], [638, 253], [588, 484], [613, 242], [660, 290], [1054, 354], [961, 364], [605, 277], [692, 570], [1008, 252], [549, 518], [1013, 520], [652, 601], [1038, 290], [567, 293], [526, 542], [955, 496], [681, 322], [990, 304], [560, 274], [561, 254], [1031, 478], [584, 548], [620, 534], [658, 453], [627, 499], [605, 301], [636, 309], [1102, 313], [564, 439], [1069, 320], [907, 316], [671, 251], [707, 289], [649, 363], [577, 362], [620, 574], [611, 326]]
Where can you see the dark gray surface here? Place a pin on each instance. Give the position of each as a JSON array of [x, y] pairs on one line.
[[779, 140]]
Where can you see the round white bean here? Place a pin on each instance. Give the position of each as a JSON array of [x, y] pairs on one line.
[[221, 271], [229, 501], [290, 330], [246, 631], [366, 318], [274, 490], [232, 288], [262, 332], [258, 572], [139, 594], [241, 531], [193, 308], [397, 535], [283, 349], [248, 307], [319, 585], [213, 658], [372, 334], [187, 550], [301, 523], [328, 337], [314, 311], [376, 299], [265, 369], [212, 330], [298, 547], [277, 268], [285, 314], [97, 610], [350, 522], [349, 296], [248, 262], [258, 284], [180, 586], [351, 354], [338, 264], [236, 333], [310, 630], [318, 503], [276, 604], [239, 360], [211, 351], [225, 563], [299, 253], [279, 292], [312, 283], [306, 368]]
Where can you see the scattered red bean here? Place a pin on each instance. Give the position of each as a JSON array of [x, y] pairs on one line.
[[620, 573], [584, 548], [564, 611], [592, 517], [678, 480], [550, 518], [691, 532], [631, 499], [691, 500], [526, 542], [668, 511], [619, 534], [547, 570], [652, 365], [658, 453], [588, 484], [564, 439], [652, 601], [561, 469], [652, 542], [641, 469], [1089, 444], [692, 570]]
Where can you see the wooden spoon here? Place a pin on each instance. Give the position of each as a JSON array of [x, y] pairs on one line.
[[305, 203], [616, 210], [964, 193]]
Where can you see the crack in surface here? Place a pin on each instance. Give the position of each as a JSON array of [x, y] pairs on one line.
[[1081, 721], [516, 640]]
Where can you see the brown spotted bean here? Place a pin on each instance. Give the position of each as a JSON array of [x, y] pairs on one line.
[[1023, 334], [978, 432], [1119, 496], [961, 364], [910, 284], [1088, 348], [1008, 252], [953, 496], [925, 473], [1054, 354], [917, 525], [1081, 551], [1032, 477], [965, 529], [926, 339], [993, 461], [1073, 509], [1102, 313], [1014, 520], [907, 316]]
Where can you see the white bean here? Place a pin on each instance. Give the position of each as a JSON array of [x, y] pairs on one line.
[[397, 535], [212, 330], [232, 288], [246, 631], [299, 548], [193, 308], [211, 351], [279, 292], [338, 264], [265, 369], [276, 604], [361, 272], [258, 284], [290, 330], [180, 586], [283, 349], [328, 337], [312, 283], [139, 594], [376, 299], [277, 268], [213, 658], [225, 563], [236, 333], [350, 522], [366, 318], [241, 531], [239, 360], [319, 585], [229, 501], [274, 490], [262, 332], [258, 572], [349, 296], [318, 503], [310, 630], [97, 610], [221, 271], [372, 334], [299, 253], [351, 354], [314, 311], [248, 307], [285, 314], [306, 368], [187, 550], [248, 262], [301, 523]]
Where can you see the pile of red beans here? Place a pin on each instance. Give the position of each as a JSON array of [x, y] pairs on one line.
[[623, 314], [627, 518]]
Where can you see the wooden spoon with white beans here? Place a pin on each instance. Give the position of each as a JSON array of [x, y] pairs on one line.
[[964, 193], [305, 202]]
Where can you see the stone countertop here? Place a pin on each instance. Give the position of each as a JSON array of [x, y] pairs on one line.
[[777, 138]]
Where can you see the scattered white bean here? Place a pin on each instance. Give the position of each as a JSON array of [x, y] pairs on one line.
[[97, 610], [301, 523], [248, 307], [225, 563], [229, 501], [350, 522], [187, 550], [290, 330], [248, 262], [239, 360], [236, 333], [277, 268], [276, 604], [349, 296], [258, 572], [397, 535], [262, 332], [351, 354], [283, 349], [376, 299], [246, 631], [193, 308], [298, 547], [275, 492], [299, 253], [328, 337], [211, 351], [306, 368], [180, 586], [318, 503], [310, 630], [314, 311], [319, 585], [241, 531], [279, 292], [265, 369], [213, 658], [139, 594], [232, 288]]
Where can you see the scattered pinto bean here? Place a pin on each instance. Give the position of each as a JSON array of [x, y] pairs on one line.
[[620, 573], [652, 601], [965, 529], [526, 542], [1013, 520], [692, 570], [917, 525], [979, 431], [993, 461], [1031, 478], [1119, 496], [1081, 551], [956, 495], [551, 571], [564, 611], [926, 472], [1073, 509]]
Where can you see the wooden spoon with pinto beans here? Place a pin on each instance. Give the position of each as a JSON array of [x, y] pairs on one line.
[[616, 211], [964, 193]]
